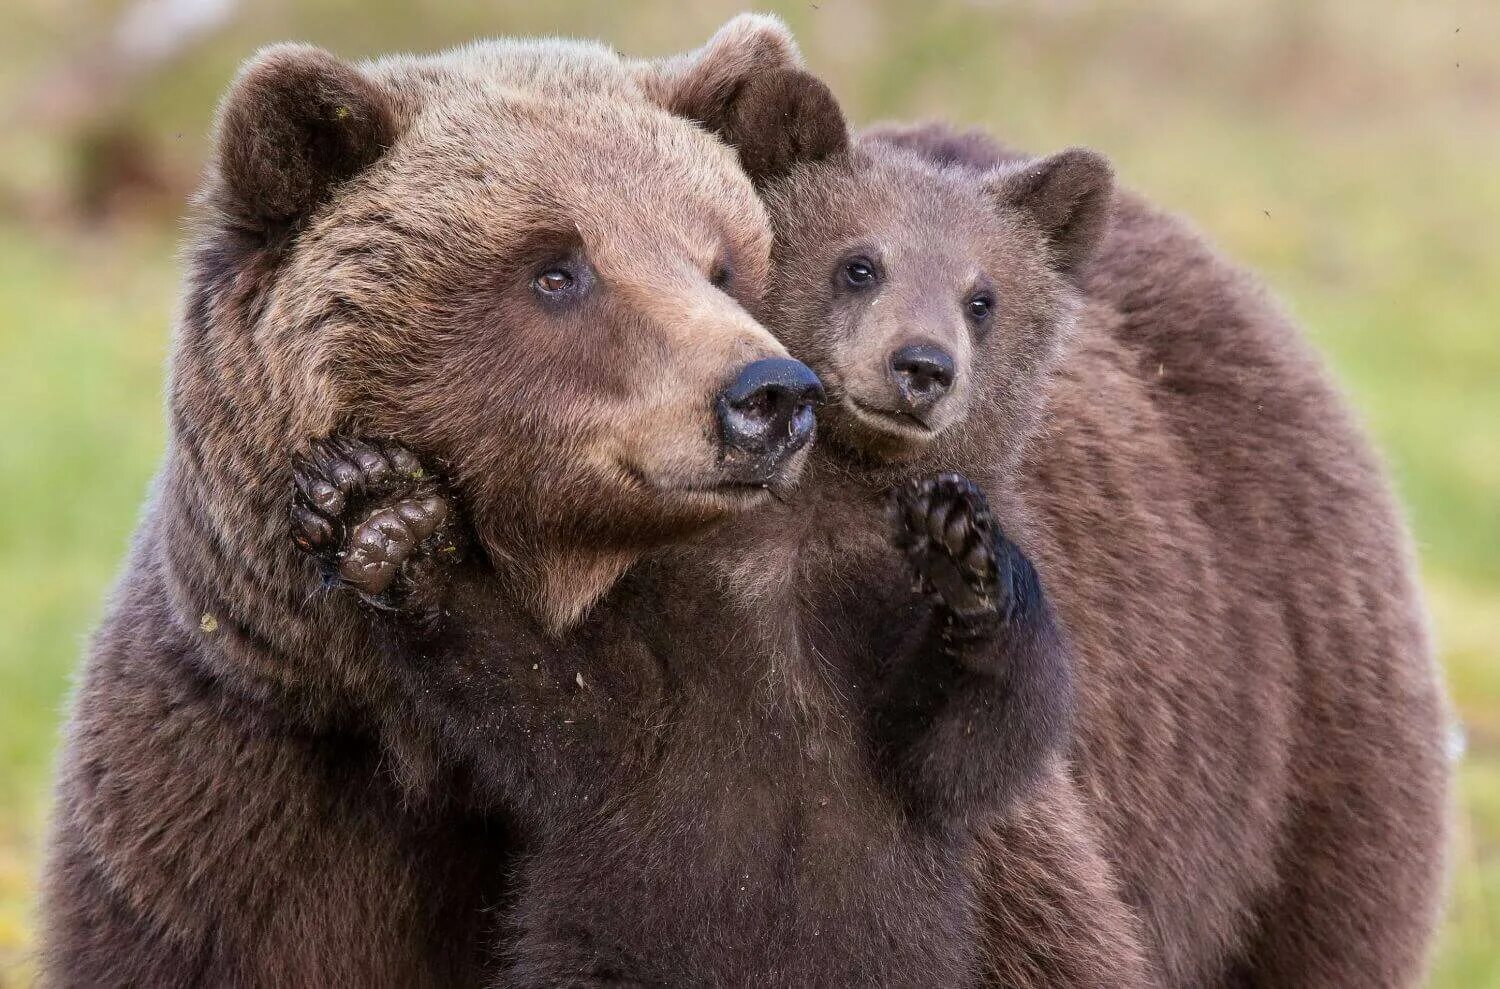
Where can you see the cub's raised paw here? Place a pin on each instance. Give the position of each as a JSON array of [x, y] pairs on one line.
[[378, 522], [957, 554]]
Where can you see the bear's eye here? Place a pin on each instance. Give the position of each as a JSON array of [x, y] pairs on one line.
[[553, 281], [860, 272], [719, 277], [978, 307]]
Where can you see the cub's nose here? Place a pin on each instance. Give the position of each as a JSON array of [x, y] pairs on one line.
[[923, 374], [767, 411]]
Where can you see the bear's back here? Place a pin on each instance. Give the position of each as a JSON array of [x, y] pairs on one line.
[[1325, 636]]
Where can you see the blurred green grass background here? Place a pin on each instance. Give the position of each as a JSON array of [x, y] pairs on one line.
[[1349, 152]]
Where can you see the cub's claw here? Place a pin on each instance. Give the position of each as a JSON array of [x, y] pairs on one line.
[[943, 525], [368, 511], [979, 579]]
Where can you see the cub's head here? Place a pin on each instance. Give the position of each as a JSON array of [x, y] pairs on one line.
[[927, 297], [520, 261]]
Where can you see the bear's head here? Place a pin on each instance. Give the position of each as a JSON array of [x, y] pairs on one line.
[[519, 260], [931, 299]]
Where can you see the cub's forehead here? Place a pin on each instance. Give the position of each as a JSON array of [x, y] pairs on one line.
[[895, 203]]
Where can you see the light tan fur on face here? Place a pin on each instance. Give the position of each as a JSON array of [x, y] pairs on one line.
[[410, 288]]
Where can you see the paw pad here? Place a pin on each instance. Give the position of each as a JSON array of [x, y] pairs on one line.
[[367, 509]]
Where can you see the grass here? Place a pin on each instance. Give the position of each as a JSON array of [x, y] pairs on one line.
[[1353, 160]]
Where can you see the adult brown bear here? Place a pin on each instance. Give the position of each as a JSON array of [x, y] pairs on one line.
[[250, 793], [265, 785]]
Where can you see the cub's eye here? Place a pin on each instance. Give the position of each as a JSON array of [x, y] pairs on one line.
[[719, 277], [979, 307], [860, 272], [553, 281]]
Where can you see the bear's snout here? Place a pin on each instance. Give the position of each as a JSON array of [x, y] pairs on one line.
[[923, 375], [766, 415]]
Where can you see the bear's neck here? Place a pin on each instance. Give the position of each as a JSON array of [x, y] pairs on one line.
[[256, 607]]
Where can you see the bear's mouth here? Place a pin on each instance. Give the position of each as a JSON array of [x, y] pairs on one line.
[[738, 493], [890, 420]]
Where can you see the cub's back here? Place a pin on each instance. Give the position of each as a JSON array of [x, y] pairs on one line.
[[1260, 720]]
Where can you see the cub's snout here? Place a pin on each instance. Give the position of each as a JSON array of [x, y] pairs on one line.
[[923, 375], [765, 415]]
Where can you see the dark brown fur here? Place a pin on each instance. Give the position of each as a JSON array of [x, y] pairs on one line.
[[259, 789], [1260, 729]]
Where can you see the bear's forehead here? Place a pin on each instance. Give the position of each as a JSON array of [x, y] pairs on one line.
[[900, 207], [532, 112], [511, 161], [540, 66], [507, 132], [504, 142], [568, 100]]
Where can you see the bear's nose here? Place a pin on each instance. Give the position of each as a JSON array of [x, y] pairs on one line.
[[767, 411], [923, 374]]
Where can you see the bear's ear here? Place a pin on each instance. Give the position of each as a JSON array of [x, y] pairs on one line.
[[1069, 196], [700, 84], [296, 122], [780, 119], [747, 87]]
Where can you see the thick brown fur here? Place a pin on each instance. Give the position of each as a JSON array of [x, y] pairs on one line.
[[1259, 753], [264, 786], [251, 793], [763, 759]]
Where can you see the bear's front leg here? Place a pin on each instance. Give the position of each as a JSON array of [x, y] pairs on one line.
[[379, 523], [969, 720]]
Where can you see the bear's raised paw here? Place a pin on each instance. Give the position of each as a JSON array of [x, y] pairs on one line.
[[977, 577], [374, 518]]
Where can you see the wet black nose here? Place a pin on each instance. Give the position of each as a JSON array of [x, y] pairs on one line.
[[767, 411], [923, 375]]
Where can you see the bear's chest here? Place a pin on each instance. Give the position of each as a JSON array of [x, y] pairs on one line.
[[753, 845]]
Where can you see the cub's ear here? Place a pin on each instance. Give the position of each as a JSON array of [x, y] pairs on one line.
[[780, 119], [1069, 196], [296, 123], [748, 87]]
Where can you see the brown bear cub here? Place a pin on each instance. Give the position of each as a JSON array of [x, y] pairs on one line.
[[1258, 746], [935, 302], [791, 800]]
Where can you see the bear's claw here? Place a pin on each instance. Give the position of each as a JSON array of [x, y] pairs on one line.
[[368, 511], [959, 556]]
